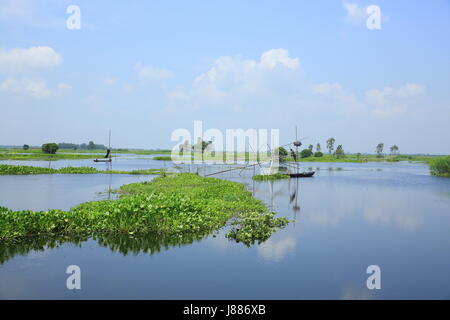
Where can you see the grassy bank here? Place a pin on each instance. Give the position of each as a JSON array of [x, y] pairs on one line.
[[176, 204], [354, 158], [440, 167], [29, 170], [44, 156], [231, 157]]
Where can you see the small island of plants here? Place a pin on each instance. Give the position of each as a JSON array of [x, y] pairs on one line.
[[170, 205]]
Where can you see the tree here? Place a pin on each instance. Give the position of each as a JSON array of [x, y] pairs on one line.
[[318, 148], [379, 150], [394, 149], [201, 146], [306, 153], [339, 152], [282, 153], [91, 145], [25, 147], [318, 154], [185, 147], [330, 145], [50, 148]]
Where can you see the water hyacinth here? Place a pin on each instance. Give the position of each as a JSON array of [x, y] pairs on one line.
[[181, 203]]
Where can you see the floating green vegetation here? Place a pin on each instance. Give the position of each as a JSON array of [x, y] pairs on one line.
[[270, 177], [162, 158], [176, 204], [6, 169], [440, 167]]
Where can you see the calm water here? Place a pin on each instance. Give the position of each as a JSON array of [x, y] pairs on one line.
[[347, 217]]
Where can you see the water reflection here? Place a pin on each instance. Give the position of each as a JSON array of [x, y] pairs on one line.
[[125, 244], [393, 215], [276, 250]]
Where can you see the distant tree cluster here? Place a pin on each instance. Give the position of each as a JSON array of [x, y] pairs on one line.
[[83, 146], [50, 148]]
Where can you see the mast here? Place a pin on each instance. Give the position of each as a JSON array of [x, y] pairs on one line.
[[296, 147], [109, 143]]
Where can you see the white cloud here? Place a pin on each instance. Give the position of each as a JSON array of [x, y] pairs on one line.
[[334, 95], [22, 60], [232, 79], [410, 90], [276, 250], [272, 58], [275, 79], [34, 88], [152, 73], [388, 102], [355, 13]]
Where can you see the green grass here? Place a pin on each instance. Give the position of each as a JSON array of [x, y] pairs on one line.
[[270, 177], [30, 170], [34, 155], [62, 154], [440, 167], [354, 158], [163, 158], [176, 204]]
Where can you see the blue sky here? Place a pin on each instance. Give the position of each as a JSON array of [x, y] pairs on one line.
[[146, 68]]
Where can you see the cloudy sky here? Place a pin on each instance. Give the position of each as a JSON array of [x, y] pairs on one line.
[[146, 68]]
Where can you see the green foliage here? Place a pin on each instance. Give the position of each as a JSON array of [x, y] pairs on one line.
[[379, 150], [440, 167], [282, 153], [394, 149], [254, 227], [330, 145], [50, 148], [339, 152], [270, 177], [91, 145], [306, 153], [29, 170], [163, 158], [318, 154], [177, 204]]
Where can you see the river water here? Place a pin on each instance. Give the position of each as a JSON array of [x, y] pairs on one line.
[[346, 218]]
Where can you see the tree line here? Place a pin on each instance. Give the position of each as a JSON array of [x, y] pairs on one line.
[[338, 152], [52, 147]]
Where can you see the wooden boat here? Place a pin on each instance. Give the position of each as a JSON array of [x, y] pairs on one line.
[[302, 174], [107, 157], [103, 160]]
